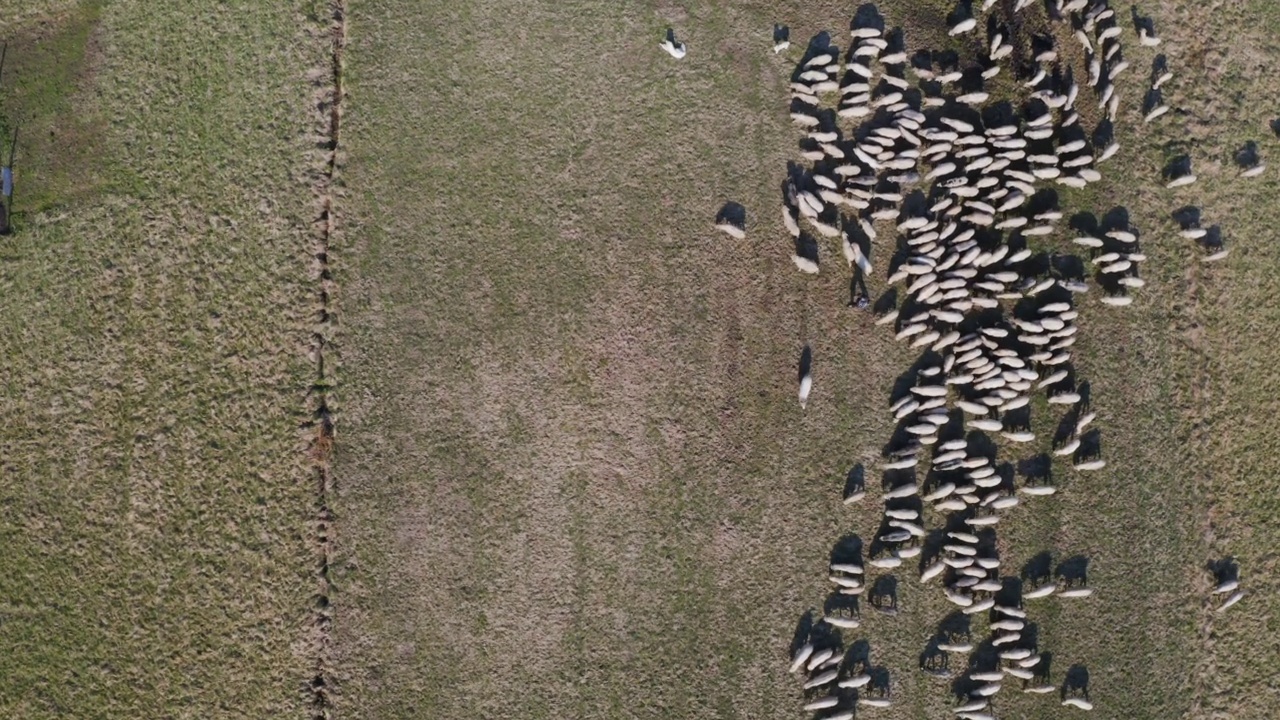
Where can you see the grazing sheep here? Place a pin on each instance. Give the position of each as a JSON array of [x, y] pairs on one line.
[[732, 220], [961, 20], [829, 701], [1043, 591], [820, 680], [846, 623], [982, 520], [1235, 598], [887, 563], [971, 706], [818, 658], [1226, 587], [1179, 173], [978, 606], [806, 253], [855, 681], [781, 38], [674, 49], [806, 378], [1078, 702], [802, 655], [902, 491], [932, 571]]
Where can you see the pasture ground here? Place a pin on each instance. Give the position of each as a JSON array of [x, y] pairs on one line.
[[155, 311], [571, 477]]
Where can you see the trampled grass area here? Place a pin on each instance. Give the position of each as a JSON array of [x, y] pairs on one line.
[[574, 478], [155, 311]]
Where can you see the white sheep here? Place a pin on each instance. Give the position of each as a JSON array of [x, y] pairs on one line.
[[823, 679], [1235, 598], [1043, 591], [829, 701], [818, 658], [855, 681], [801, 656]]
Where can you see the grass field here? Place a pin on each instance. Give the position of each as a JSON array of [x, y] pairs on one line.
[[155, 498], [571, 478], [574, 477]]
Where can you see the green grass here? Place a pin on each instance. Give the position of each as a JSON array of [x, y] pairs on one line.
[[155, 503], [61, 157]]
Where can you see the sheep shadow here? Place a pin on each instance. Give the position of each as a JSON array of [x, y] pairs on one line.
[[933, 659], [931, 547], [847, 550], [1038, 569], [956, 626], [804, 628], [1085, 223], [1037, 467], [838, 604], [887, 301], [1177, 167], [858, 291], [734, 214], [1090, 446], [1248, 156], [1117, 218], [1044, 668], [1018, 419], [1104, 133], [1187, 217], [1010, 592], [1212, 239], [857, 656], [855, 482], [1076, 682], [880, 681], [981, 445], [1030, 639], [1074, 570], [1044, 200], [1067, 267], [1224, 570], [1152, 100], [884, 595], [1085, 391]]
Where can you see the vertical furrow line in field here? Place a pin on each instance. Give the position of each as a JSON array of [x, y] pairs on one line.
[[1199, 444], [330, 105]]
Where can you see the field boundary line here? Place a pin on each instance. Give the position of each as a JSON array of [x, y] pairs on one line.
[[321, 685]]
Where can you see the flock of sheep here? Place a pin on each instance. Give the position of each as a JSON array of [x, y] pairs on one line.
[[962, 258], [968, 185]]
